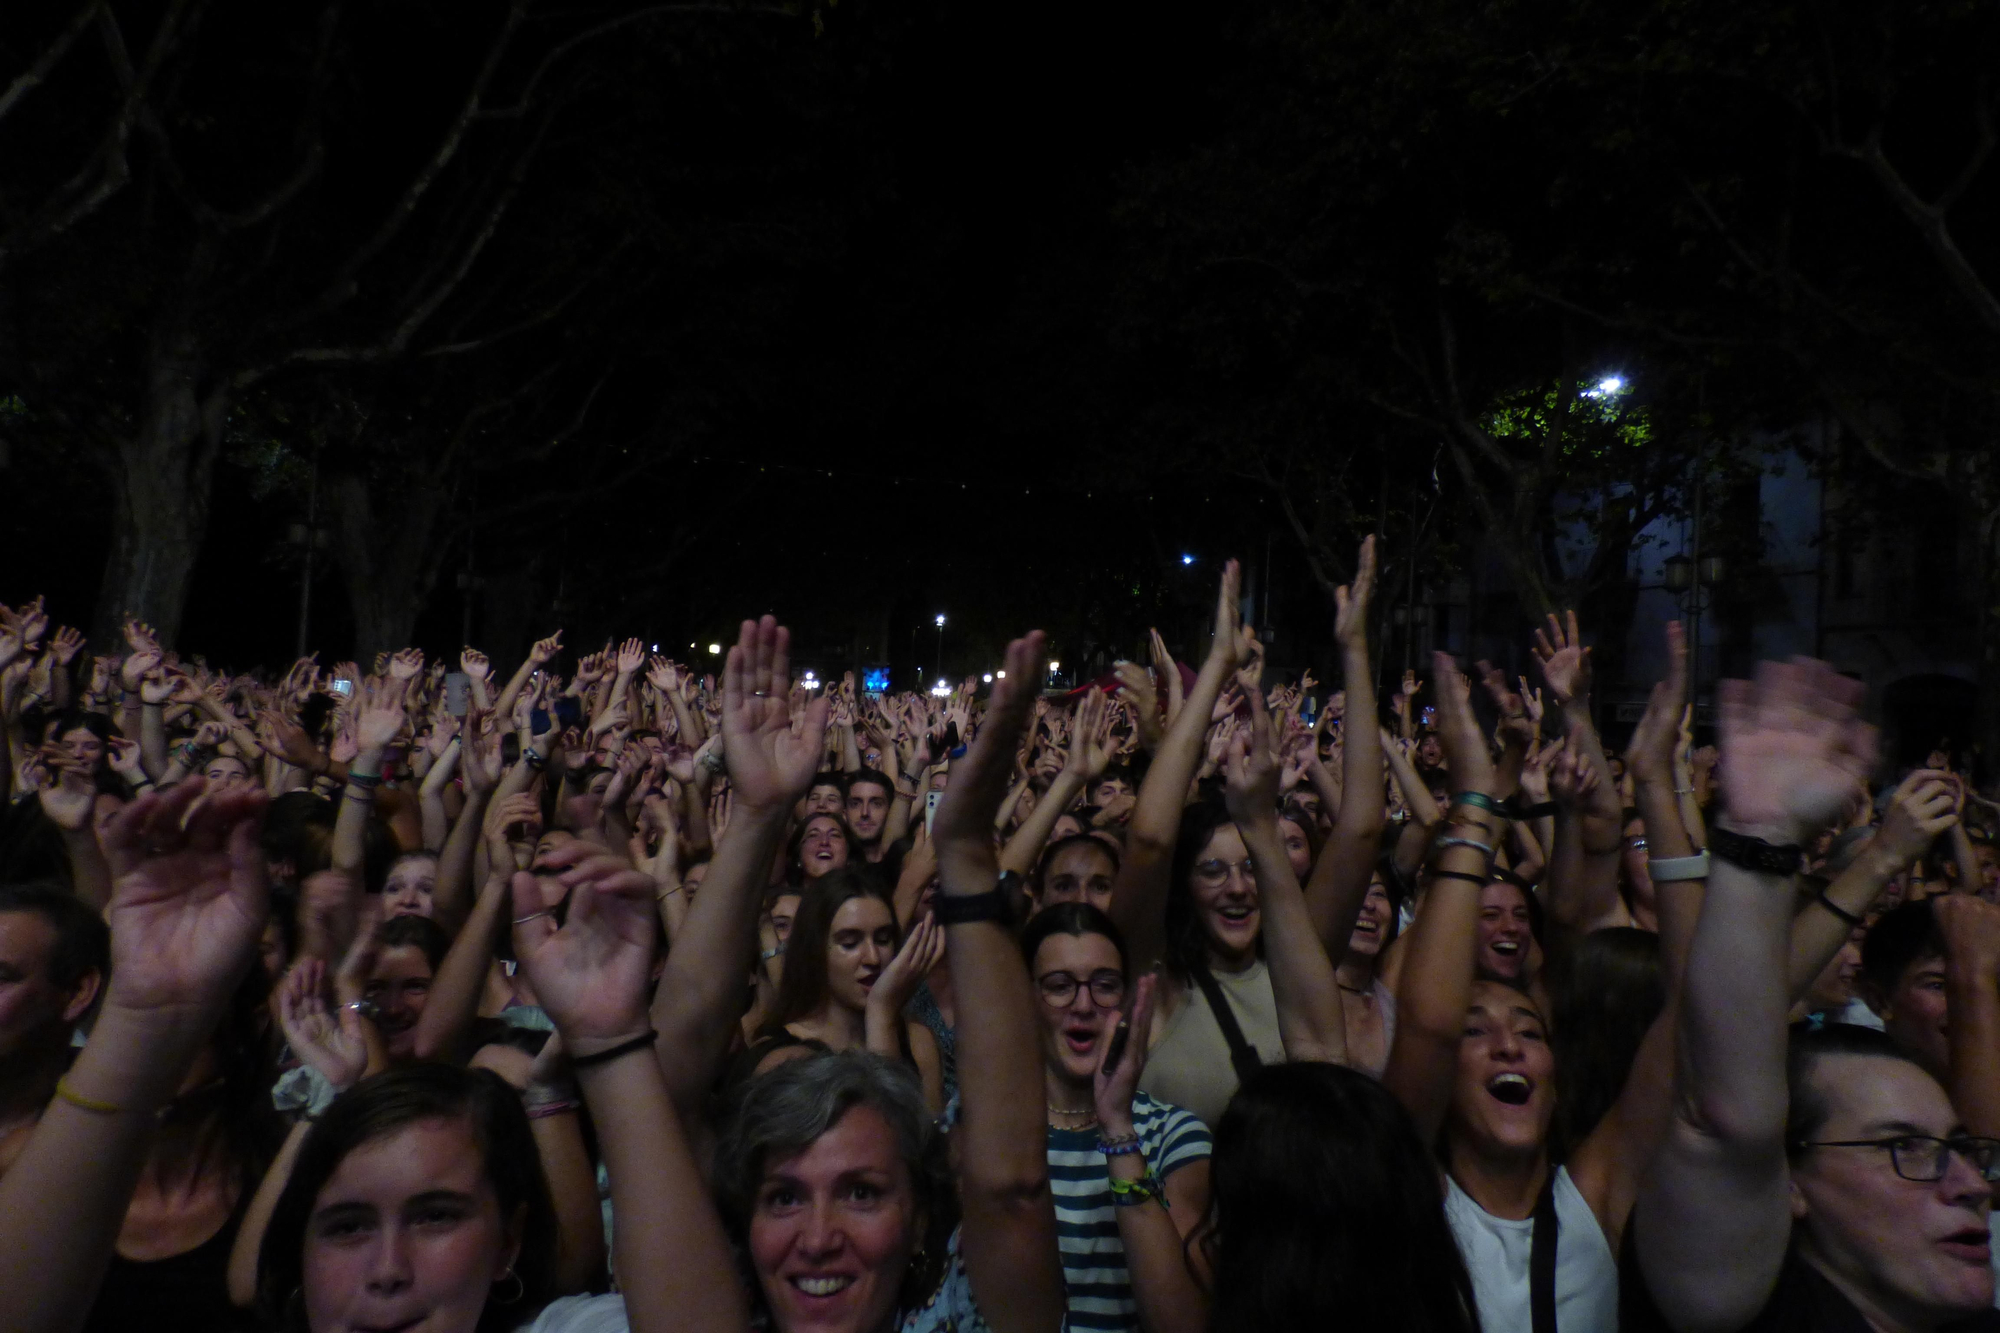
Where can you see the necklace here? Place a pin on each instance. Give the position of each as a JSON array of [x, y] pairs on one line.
[[1057, 1113]]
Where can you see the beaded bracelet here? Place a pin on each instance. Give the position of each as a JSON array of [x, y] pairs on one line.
[[1118, 1145]]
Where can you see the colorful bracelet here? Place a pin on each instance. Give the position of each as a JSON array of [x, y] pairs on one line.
[[1118, 1145], [1478, 798], [1443, 843], [1132, 1193], [365, 781], [82, 1103]]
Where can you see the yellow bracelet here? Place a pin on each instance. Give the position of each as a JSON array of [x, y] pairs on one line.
[[64, 1091]]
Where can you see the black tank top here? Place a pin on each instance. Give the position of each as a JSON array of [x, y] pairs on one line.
[[182, 1291]]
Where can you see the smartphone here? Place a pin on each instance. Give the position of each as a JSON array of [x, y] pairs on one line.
[[931, 799], [343, 687], [457, 693], [1309, 710], [1429, 716], [1120, 1036]]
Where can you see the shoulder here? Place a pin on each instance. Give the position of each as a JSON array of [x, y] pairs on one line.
[[581, 1314], [1172, 1136]]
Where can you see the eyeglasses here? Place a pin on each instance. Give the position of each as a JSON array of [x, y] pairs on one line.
[[1923, 1158], [1214, 872], [1107, 988]]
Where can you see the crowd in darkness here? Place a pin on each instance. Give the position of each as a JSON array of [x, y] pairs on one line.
[[624, 996]]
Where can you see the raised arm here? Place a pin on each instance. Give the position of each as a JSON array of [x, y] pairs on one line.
[[1009, 1236], [1919, 810], [1583, 872], [538, 657], [770, 766], [1338, 884], [1089, 756], [1139, 897], [1436, 985], [674, 1263], [187, 904], [1714, 1216], [1302, 976]]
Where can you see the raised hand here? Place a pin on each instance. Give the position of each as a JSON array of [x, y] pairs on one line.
[[333, 1042], [1515, 724], [963, 826], [545, 650], [1465, 754], [159, 686], [474, 664], [1169, 672], [65, 645], [920, 952], [124, 759], [1651, 749], [141, 656], [407, 665], [1793, 749], [770, 762], [631, 656], [1350, 616], [188, 898], [1921, 808], [380, 722], [20, 630], [1135, 688], [592, 973], [1565, 662], [1251, 770], [1570, 777], [1090, 739], [1114, 1085]]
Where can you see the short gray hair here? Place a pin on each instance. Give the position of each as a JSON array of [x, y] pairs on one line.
[[783, 1111]]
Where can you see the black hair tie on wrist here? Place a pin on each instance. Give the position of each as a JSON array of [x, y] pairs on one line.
[[1835, 908], [1754, 854], [1465, 875], [612, 1053], [996, 904]]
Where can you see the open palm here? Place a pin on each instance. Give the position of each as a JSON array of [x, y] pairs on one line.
[[591, 974], [188, 895], [770, 763], [1793, 748]]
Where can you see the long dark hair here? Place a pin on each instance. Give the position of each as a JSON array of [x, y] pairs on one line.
[[1325, 1199], [1187, 942], [378, 1107], [1607, 995], [802, 988]]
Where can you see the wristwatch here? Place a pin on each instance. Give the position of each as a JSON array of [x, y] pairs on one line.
[[1754, 854]]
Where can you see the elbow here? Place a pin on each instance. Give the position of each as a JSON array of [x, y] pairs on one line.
[[1007, 1189]]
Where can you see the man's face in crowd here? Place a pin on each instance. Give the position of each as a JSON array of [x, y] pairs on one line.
[[1834, 986], [825, 798], [1915, 1013], [1080, 873], [867, 810], [1106, 790], [1918, 1250], [33, 1010]]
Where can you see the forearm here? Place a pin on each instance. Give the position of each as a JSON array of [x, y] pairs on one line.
[[1310, 1021], [573, 1190], [503, 707], [696, 1002], [1583, 885], [1163, 1282], [453, 890], [1338, 884], [90, 873], [430, 797], [357, 802], [64, 1199], [153, 741], [1417, 796], [257, 1218], [1024, 849], [461, 978], [1817, 934], [1678, 902], [1734, 1008], [674, 1263]]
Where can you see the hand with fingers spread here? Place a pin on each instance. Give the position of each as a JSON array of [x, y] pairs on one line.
[[770, 763], [188, 899], [1090, 740], [65, 645], [1793, 749], [333, 1042], [406, 665], [380, 722], [631, 656], [591, 973], [1920, 809], [1565, 662]]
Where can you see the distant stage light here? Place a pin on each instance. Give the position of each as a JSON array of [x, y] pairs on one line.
[[1187, 559], [712, 648], [988, 677]]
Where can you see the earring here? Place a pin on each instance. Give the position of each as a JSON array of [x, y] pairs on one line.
[[520, 1288]]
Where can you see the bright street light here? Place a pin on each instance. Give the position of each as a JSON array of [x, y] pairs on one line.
[[1187, 559], [940, 620], [1001, 674], [712, 648], [988, 677], [1054, 667]]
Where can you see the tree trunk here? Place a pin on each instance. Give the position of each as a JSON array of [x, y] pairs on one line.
[[161, 476], [388, 560]]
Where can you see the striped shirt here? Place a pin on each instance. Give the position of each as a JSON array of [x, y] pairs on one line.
[[1093, 1254]]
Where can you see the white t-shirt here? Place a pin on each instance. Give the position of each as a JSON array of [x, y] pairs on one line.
[[1496, 1251]]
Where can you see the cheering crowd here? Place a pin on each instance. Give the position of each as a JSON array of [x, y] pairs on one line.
[[413, 999]]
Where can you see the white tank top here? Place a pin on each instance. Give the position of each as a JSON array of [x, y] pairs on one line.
[[1496, 1251]]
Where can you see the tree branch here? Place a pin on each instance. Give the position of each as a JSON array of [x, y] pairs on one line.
[[1931, 225], [31, 78]]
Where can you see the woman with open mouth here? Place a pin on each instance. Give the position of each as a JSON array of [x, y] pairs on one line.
[[848, 976], [1186, 894], [1473, 1063], [821, 846], [1113, 1149]]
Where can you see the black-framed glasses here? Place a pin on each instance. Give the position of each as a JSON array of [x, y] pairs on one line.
[[1107, 988], [1925, 1158]]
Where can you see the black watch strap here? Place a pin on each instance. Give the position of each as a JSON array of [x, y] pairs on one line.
[[996, 904], [1754, 854]]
